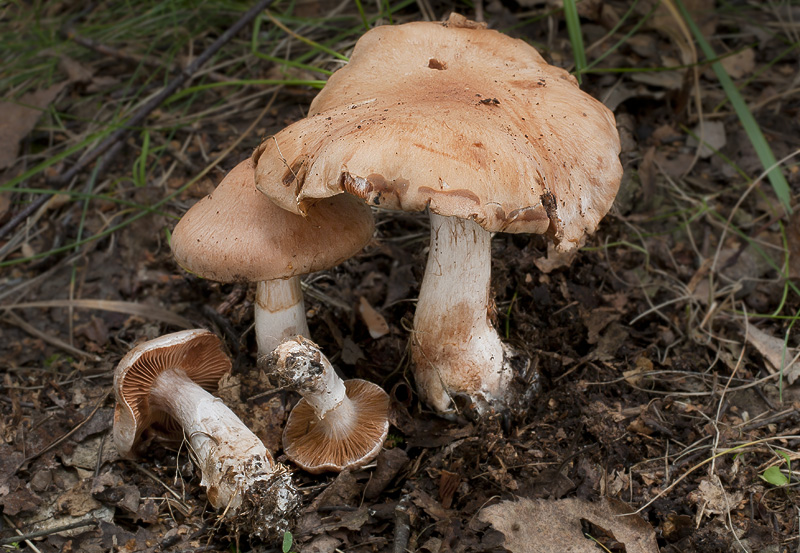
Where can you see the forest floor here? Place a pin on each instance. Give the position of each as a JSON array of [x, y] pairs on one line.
[[665, 348]]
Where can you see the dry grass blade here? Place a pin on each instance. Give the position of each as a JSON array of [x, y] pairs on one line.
[[751, 126], [705, 462], [145, 311], [16, 320]]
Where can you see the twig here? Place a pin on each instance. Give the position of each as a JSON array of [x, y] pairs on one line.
[[402, 524], [134, 59], [47, 532], [28, 542], [115, 138]]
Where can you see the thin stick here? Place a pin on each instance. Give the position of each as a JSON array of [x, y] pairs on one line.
[[28, 542], [47, 532]]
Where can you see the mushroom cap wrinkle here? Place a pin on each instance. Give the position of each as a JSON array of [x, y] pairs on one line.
[[236, 234], [464, 120], [197, 352]]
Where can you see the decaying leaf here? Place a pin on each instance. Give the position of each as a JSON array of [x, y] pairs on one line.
[[711, 497], [712, 133], [558, 526], [741, 64], [772, 349], [19, 118]]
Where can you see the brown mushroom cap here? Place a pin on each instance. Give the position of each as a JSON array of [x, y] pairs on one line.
[[197, 352], [237, 234], [468, 121], [316, 446]]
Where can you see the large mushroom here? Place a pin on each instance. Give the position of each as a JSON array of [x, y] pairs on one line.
[[476, 127], [339, 424], [236, 234], [164, 385]]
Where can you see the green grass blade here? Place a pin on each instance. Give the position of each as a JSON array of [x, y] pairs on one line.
[[575, 36], [363, 14], [749, 123]]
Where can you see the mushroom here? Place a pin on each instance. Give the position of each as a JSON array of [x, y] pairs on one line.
[[476, 127], [338, 424], [236, 234], [163, 385]]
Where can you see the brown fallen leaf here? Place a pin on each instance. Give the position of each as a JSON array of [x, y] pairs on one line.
[[18, 118], [556, 526], [375, 322], [389, 463], [75, 70], [741, 64]]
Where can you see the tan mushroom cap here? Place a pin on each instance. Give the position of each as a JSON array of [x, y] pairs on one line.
[[317, 447], [237, 234], [468, 121], [197, 352]]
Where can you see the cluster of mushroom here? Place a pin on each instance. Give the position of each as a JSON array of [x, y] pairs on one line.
[[482, 133], [478, 129]]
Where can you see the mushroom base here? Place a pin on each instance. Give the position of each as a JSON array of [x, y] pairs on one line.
[[237, 470], [456, 350]]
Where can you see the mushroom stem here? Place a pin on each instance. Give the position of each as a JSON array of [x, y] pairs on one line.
[[456, 349], [337, 425], [301, 364], [238, 472], [279, 312]]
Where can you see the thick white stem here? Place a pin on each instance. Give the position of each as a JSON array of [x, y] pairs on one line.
[[231, 458], [279, 312], [455, 349]]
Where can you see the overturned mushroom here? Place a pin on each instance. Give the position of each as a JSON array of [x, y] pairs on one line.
[[163, 385], [338, 424], [236, 234], [476, 127]]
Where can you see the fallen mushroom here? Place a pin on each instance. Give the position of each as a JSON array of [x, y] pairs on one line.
[[236, 234], [162, 385], [338, 424], [476, 127]]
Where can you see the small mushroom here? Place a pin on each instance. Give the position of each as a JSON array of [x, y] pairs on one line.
[[338, 424], [477, 128], [237, 234], [163, 385]]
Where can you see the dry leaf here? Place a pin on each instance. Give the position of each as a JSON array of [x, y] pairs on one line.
[[375, 322], [772, 349], [556, 526], [740, 64], [76, 71], [19, 118], [712, 498], [713, 136]]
